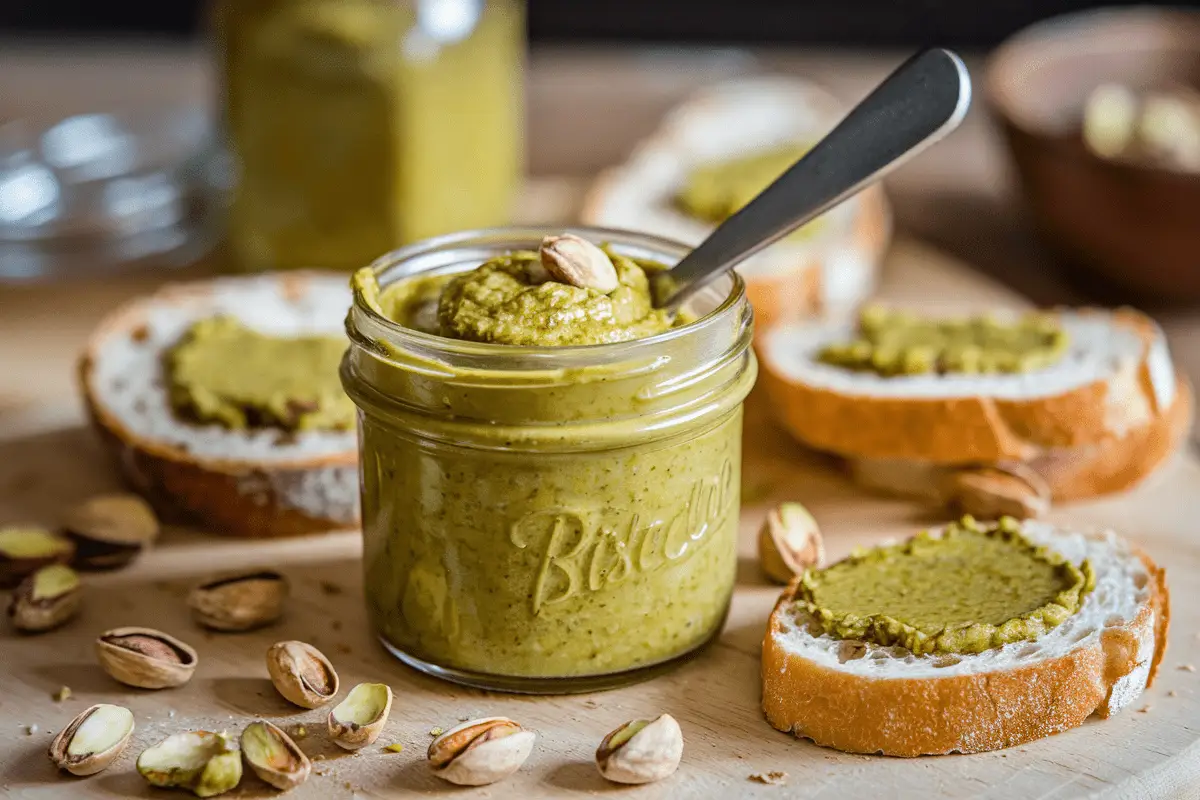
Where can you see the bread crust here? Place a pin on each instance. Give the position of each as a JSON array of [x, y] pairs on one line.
[[236, 497], [962, 713], [969, 429]]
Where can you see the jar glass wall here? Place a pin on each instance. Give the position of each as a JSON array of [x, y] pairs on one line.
[[548, 519]]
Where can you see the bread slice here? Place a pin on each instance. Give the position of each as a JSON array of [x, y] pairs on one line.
[[258, 483], [831, 271], [872, 699]]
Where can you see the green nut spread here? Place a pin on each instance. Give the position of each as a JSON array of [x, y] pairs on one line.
[[222, 372], [970, 589], [891, 343]]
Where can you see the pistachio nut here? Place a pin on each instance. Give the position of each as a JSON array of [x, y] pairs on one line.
[[1001, 490], [302, 673], [207, 764], [93, 740], [789, 542], [26, 549], [575, 261], [145, 658], [641, 751], [110, 530], [480, 751], [46, 599], [273, 755], [358, 720], [239, 602]]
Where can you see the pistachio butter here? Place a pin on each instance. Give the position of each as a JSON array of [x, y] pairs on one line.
[[969, 589], [553, 517], [223, 372], [891, 342]]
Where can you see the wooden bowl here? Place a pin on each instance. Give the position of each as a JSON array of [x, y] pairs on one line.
[[1137, 227]]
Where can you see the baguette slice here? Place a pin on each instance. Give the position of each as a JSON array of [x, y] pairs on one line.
[[872, 699], [830, 271], [1115, 383], [259, 483]]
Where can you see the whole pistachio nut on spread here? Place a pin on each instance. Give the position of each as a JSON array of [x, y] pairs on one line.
[[273, 755], [207, 764], [575, 261], [46, 599], [481, 751], [145, 658], [302, 673], [1003, 490], [93, 740], [358, 720], [239, 602], [26, 549], [789, 542], [641, 751], [110, 530]]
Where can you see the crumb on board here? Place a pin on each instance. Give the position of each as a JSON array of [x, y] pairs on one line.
[[1187, 667], [330, 588], [395, 747], [30, 730], [62, 695], [300, 732], [1145, 709], [438, 731], [772, 778], [1172, 693]]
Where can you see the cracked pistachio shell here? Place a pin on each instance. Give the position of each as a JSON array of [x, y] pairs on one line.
[[110, 530], [145, 658], [273, 755], [789, 542], [46, 599], [25, 550], [239, 602], [302, 673], [641, 751], [481, 751], [93, 740], [207, 764], [358, 720]]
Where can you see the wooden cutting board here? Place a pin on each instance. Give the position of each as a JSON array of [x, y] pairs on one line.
[[48, 460]]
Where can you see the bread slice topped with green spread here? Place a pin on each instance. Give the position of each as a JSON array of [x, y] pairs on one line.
[[712, 155], [971, 638], [221, 403], [1083, 402]]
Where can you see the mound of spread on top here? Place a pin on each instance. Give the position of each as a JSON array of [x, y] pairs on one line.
[[223, 372], [891, 342], [970, 589]]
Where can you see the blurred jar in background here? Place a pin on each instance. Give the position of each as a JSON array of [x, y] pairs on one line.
[[359, 125]]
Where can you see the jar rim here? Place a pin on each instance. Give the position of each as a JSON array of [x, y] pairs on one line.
[[368, 323]]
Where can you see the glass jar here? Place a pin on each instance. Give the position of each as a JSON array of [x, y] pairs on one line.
[[548, 519], [360, 125]]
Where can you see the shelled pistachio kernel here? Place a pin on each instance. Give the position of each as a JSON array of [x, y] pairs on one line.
[[206, 763], [302, 673], [145, 658], [110, 530], [358, 720], [24, 550], [273, 755], [239, 602], [93, 740], [46, 599], [789, 542], [641, 751], [481, 751]]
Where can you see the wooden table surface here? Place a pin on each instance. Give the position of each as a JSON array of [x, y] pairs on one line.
[[48, 460]]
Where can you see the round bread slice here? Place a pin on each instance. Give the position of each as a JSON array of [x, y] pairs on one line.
[[256, 483], [1115, 380], [830, 271], [864, 698]]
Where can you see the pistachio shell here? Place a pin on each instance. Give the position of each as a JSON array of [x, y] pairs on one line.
[[273, 755], [110, 530], [145, 658], [207, 763], [575, 261], [93, 740], [24, 550], [239, 602], [1000, 490], [641, 751], [46, 599], [302, 673], [789, 542], [481, 751], [358, 720]]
